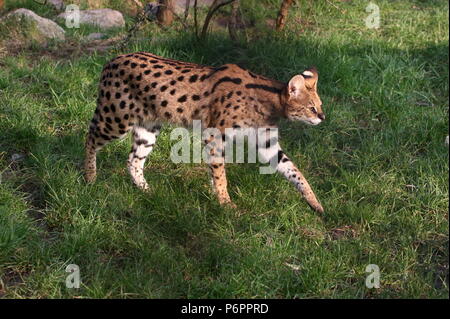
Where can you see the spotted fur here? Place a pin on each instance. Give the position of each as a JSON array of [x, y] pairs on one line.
[[139, 92]]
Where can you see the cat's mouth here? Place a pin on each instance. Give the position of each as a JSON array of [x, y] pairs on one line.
[[309, 121]]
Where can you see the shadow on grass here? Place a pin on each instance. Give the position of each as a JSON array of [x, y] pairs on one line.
[[347, 77]]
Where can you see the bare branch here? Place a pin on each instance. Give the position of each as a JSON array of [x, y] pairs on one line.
[[332, 4], [214, 7], [141, 19]]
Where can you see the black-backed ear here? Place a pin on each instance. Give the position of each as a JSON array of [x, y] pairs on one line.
[[295, 86], [311, 77]]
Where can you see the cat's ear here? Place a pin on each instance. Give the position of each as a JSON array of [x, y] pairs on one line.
[[295, 86], [311, 77]]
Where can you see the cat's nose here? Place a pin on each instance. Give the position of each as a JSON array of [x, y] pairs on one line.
[[321, 116]]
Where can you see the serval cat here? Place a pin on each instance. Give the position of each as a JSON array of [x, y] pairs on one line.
[[141, 91]]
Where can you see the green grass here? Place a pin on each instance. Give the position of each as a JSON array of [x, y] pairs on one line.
[[378, 164]]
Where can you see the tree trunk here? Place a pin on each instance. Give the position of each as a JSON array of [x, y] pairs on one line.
[[282, 15], [232, 24], [195, 19], [186, 9], [165, 12]]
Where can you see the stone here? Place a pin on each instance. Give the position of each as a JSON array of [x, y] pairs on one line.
[[95, 36], [17, 157], [103, 18], [57, 4], [180, 5], [46, 28]]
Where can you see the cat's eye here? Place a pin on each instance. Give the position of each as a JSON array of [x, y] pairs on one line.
[[313, 109]]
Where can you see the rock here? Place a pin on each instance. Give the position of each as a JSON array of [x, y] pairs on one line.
[[180, 5], [151, 8], [446, 141], [57, 4], [95, 36], [46, 28], [17, 157], [104, 18]]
